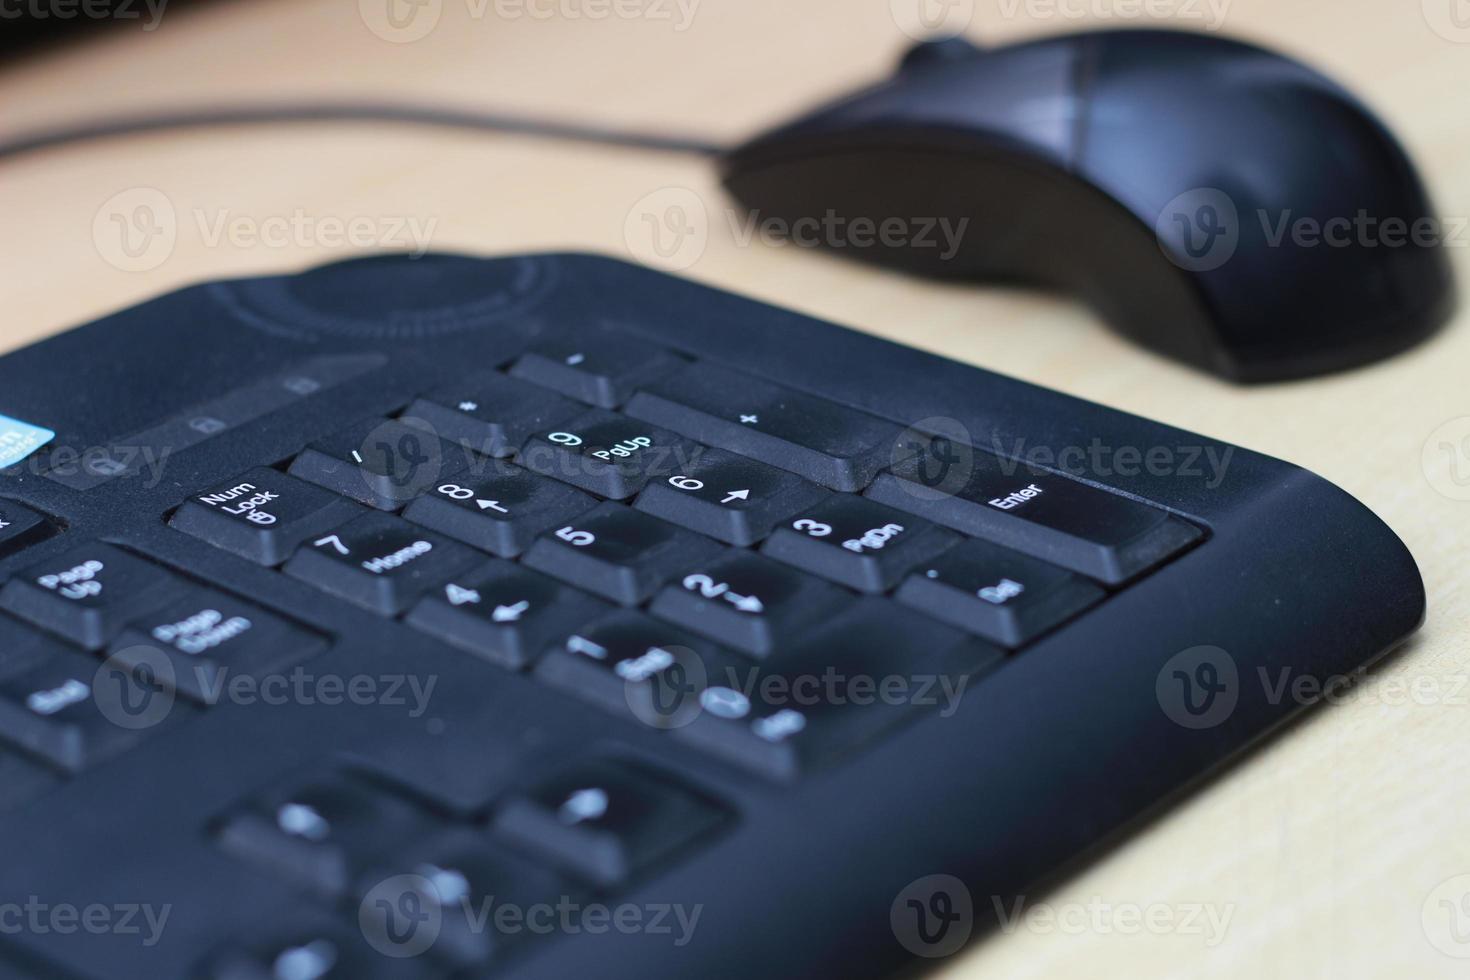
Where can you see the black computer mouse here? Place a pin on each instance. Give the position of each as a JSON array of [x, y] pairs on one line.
[[1215, 201]]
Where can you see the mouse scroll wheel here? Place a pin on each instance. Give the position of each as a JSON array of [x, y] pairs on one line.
[[942, 50]]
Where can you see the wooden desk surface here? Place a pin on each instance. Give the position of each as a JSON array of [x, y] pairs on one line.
[[1327, 848]]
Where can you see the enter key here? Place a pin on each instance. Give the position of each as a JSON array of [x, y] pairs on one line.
[[1097, 533]]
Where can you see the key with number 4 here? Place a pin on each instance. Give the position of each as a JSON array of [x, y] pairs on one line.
[[504, 613]]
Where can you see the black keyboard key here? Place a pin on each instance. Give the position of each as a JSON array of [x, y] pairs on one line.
[[857, 542], [609, 455], [321, 833], [639, 667], [1102, 535], [502, 511], [600, 369], [492, 414], [315, 949], [195, 645], [504, 613], [459, 880], [828, 444], [748, 602], [999, 594], [19, 526], [22, 647], [729, 497], [262, 515], [607, 821], [89, 593], [383, 463], [618, 553], [840, 688], [74, 713], [380, 562]]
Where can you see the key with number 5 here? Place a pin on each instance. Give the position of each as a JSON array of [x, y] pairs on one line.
[[618, 553]]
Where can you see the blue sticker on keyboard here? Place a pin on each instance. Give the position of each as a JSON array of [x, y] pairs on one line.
[[19, 439]]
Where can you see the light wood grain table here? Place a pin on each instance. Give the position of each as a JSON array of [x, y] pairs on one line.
[[1332, 850]]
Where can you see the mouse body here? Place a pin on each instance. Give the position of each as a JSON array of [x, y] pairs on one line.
[[1214, 201]]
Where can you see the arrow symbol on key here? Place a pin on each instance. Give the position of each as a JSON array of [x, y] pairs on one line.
[[459, 595], [745, 603], [584, 646], [491, 505], [509, 614], [736, 495]]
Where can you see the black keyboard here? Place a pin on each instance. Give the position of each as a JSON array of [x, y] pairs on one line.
[[550, 617]]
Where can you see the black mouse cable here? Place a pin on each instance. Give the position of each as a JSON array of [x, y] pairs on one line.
[[251, 114]]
